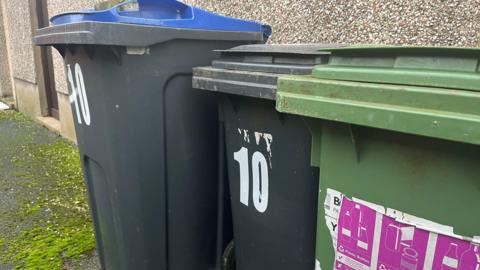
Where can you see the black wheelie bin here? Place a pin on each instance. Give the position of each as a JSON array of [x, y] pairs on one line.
[[148, 141], [273, 187]]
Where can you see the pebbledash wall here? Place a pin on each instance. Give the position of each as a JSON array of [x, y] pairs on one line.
[[6, 88], [401, 22], [17, 55]]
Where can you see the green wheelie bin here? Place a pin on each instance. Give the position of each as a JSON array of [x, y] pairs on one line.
[[396, 135]]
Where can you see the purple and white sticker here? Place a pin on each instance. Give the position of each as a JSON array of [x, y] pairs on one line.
[[364, 238]]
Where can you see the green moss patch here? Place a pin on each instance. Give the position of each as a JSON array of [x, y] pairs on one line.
[[46, 214], [12, 115]]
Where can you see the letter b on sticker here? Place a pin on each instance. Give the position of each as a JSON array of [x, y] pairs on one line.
[[336, 201]]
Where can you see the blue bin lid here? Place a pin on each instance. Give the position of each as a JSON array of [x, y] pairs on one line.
[[163, 13]]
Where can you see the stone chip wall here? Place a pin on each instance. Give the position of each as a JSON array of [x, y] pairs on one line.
[[412, 22], [5, 75], [20, 45]]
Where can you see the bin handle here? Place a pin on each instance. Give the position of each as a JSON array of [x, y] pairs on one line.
[[170, 10], [176, 11]]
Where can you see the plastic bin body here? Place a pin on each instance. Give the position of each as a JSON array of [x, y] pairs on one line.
[[150, 155], [273, 187], [429, 178], [401, 149], [148, 141], [282, 236]]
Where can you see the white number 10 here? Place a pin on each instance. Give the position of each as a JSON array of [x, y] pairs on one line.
[[259, 177], [78, 96]]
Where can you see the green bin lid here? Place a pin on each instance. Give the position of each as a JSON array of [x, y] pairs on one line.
[[423, 91], [454, 68]]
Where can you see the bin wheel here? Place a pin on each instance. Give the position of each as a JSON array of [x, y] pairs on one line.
[[228, 258]]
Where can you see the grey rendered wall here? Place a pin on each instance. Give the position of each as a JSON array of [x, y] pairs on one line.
[[20, 43], [18, 24], [415, 22], [5, 75]]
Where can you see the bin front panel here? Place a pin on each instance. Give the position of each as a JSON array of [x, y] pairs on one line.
[[98, 87], [191, 172], [428, 178], [146, 143], [273, 187]]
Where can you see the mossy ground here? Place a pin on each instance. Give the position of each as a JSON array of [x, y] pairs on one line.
[[44, 214]]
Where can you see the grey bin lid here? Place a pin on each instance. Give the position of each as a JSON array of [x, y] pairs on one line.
[[253, 70], [118, 34]]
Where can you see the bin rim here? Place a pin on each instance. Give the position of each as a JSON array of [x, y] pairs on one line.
[[122, 34], [374, 49], [297, 49]]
